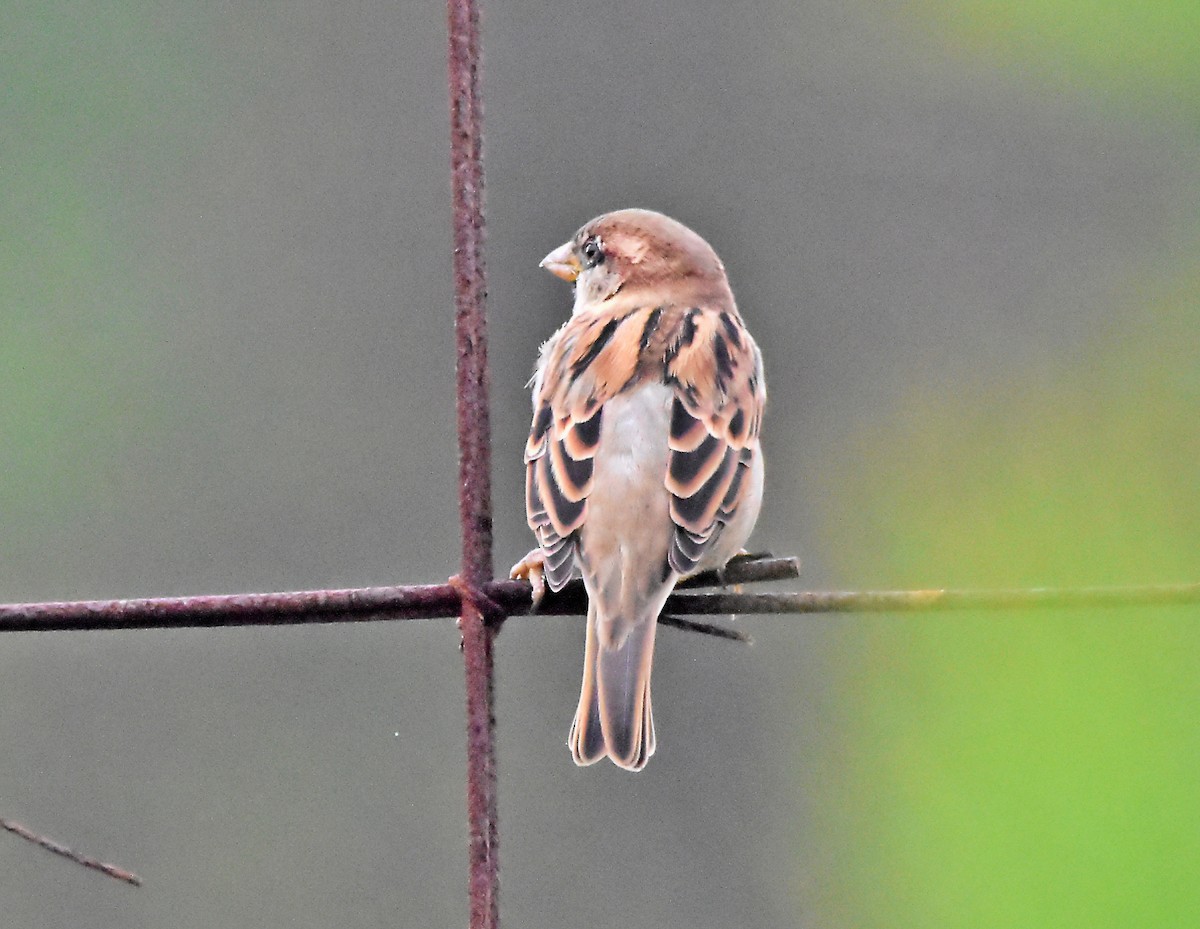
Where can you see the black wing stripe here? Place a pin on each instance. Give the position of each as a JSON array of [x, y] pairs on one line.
[[687, 432], [735, 488], [582, 439], [565, 515], [737, 427], [688, 548], [574, 477], [698, 511], [597, 346], [534, 507], [691, 545], [689, 471], [724, 362], [687, 332], [732, 328], [541, 425], [650, 327]]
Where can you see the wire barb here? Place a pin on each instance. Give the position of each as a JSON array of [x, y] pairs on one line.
[[719, 632]]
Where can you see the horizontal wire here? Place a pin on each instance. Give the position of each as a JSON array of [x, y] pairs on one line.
[[431, 601]]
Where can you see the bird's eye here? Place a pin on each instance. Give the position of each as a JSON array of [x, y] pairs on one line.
[[592, 253]]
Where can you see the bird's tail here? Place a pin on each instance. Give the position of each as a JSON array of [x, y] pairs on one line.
[[614, 716]]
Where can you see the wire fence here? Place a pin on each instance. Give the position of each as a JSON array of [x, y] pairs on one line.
[[513, 598], [480, 602]]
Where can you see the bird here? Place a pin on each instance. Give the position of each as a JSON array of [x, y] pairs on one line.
[[643, 462]]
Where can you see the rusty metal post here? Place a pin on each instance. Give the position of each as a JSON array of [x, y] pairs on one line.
[[474, 438]]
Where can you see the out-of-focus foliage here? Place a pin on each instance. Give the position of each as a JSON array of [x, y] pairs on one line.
[[1078, 471], [1036, 769], [77, 350], [1139, 50]]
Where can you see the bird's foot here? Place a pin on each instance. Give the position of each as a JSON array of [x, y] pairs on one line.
[[532, 568], [721, 578]]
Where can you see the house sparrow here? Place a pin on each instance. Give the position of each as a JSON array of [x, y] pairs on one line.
[[643, 463]]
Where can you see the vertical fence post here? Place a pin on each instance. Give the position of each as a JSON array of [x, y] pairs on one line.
[[475, 503]]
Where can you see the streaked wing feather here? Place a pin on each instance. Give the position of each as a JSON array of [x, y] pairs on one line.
[[589, 360], [711, 363], [715, 367]]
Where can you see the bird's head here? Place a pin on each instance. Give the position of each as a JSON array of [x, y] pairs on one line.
[[638, 254]]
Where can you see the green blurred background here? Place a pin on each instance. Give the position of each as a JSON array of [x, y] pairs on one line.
[[966, 236]]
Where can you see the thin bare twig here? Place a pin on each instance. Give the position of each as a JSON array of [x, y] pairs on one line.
[[112, 870]]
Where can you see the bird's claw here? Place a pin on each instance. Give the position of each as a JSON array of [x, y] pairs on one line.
[[722, 571], [532, 568]]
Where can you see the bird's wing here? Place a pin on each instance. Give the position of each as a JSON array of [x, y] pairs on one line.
[[714, 368], [588, 361]]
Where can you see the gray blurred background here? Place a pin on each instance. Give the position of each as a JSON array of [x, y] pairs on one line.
[[227, 366]]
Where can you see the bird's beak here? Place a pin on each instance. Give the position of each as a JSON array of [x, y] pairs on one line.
[[562, 262]]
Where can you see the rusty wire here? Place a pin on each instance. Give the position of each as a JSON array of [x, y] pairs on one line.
[[361, 604], [432, 601]]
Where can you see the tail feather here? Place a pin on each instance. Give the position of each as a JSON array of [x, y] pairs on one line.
[[586, 740], [614, 717]]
